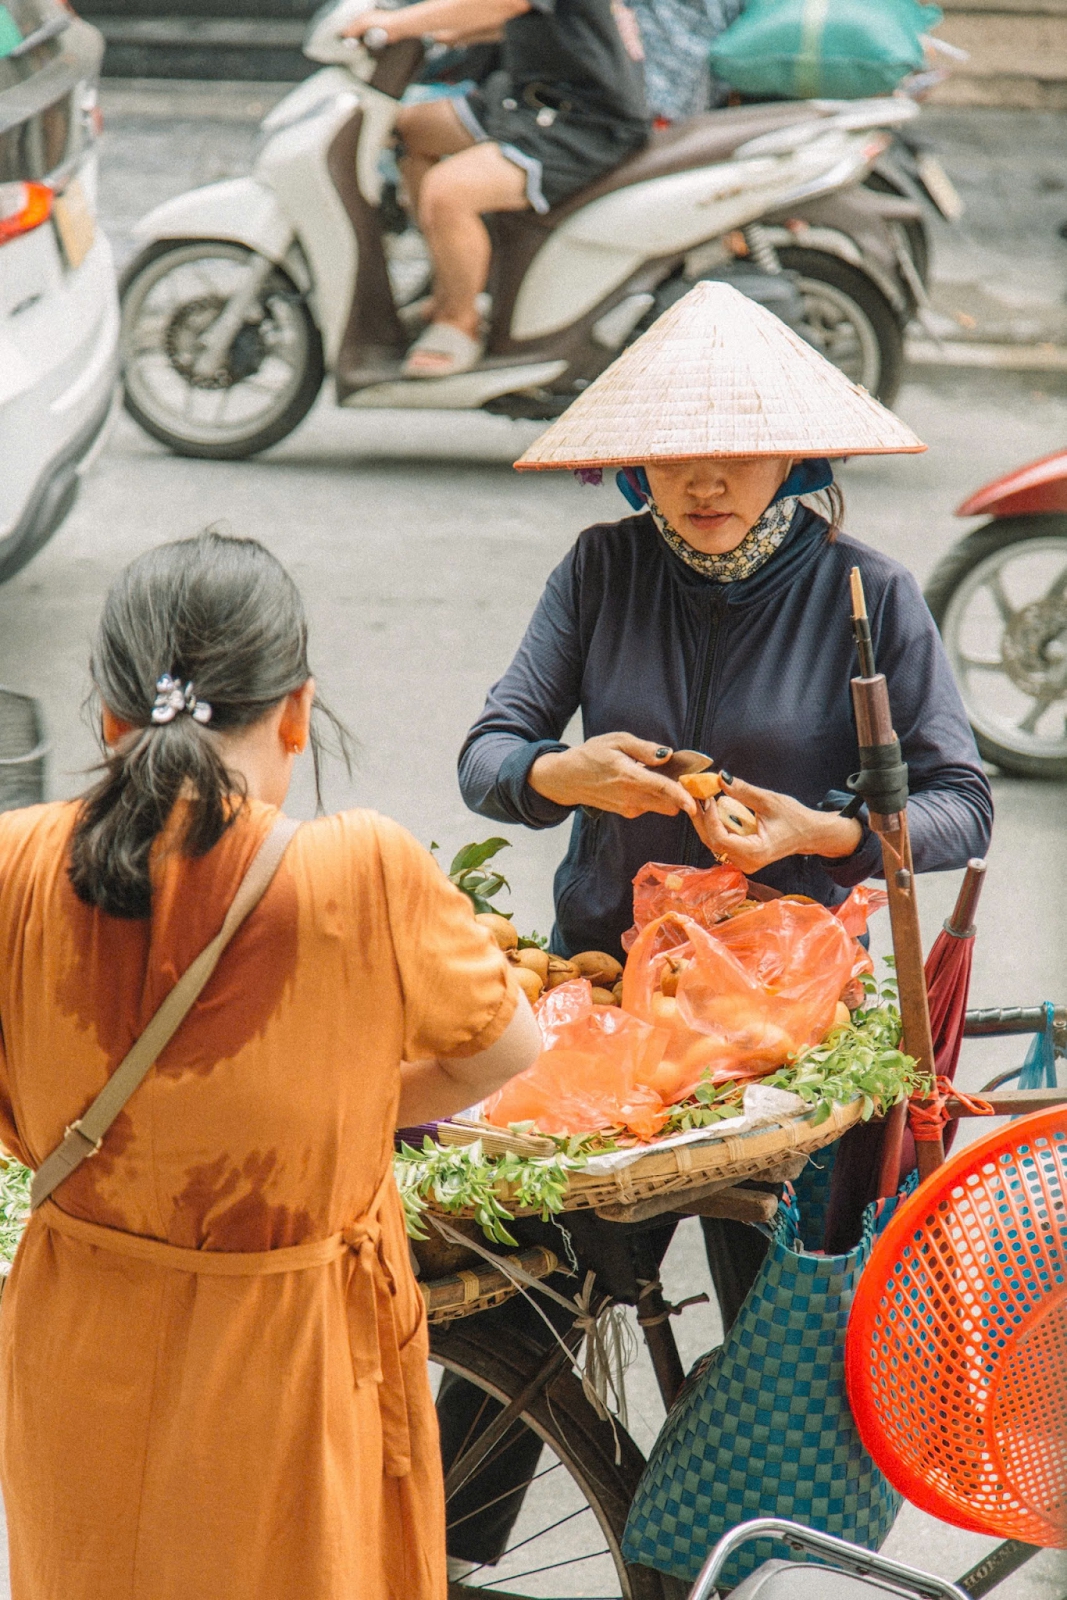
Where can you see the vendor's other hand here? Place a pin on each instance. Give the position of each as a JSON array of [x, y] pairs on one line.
[[785, 828], [613, 772]]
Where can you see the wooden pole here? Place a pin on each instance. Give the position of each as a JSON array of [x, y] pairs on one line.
[[883, 774]]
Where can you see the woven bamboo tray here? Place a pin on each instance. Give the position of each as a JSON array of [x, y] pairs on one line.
[[463, 1293], [729, 1158]]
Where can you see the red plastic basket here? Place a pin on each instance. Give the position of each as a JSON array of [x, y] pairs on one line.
[[956, 1357]]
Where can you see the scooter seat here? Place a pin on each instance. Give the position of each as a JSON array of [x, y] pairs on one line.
[[798, 1580], [696, 142]]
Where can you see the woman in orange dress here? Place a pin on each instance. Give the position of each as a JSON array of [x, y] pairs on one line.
[[212, 1348]]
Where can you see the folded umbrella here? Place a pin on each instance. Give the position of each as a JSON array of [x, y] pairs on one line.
[[948, 979]]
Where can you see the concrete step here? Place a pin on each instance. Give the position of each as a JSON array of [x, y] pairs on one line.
[[239, 48], [1018, 53]]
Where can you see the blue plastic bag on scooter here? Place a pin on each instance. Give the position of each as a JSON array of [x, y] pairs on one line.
[[762, 1426], [823, 49]]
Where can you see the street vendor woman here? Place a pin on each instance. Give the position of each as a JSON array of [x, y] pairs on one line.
[[212, 1346], [717, 619]]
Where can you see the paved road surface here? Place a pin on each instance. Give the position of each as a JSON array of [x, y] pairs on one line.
[[421, 555]]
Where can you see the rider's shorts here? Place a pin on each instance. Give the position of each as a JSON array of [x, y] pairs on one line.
[[560, 145]]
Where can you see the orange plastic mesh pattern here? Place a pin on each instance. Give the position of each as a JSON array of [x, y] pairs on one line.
[[956, 1357]]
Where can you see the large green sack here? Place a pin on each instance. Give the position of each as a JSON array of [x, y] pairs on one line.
[[822, 49]]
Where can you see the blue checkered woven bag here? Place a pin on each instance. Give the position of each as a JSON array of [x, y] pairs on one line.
[[762, 1426]]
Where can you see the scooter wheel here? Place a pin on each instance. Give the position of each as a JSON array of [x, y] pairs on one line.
[[1000, 599], [849, 320], [262, 385]]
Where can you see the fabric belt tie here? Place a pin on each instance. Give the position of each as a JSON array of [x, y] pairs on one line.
[[372, 1306], [370, 1300]]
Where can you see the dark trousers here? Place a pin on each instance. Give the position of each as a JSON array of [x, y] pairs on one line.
[[482, 1513]]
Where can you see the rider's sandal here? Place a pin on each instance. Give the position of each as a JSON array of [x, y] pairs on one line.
[[442, 351]]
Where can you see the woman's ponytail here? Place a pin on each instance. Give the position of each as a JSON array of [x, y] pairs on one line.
[[125, 812], [222, 617]]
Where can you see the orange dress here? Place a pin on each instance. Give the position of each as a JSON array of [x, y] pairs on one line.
[[227, 1398]]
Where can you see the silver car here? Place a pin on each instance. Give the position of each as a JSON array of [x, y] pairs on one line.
[[58, 304]]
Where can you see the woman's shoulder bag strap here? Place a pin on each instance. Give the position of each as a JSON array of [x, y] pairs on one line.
[[85, 1135]]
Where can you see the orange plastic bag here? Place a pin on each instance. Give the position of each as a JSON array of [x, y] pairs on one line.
[[592, 1073], [854, 912], [739, 999], [707, 894]]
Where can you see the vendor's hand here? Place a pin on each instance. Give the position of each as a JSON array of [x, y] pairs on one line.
[[785, 828], [613, 772]]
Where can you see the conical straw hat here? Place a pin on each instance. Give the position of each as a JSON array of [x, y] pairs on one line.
[[718, 375]]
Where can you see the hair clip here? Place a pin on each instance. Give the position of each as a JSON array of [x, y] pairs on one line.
[[171, 698]]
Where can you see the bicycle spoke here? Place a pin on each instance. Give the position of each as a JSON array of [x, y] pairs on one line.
[[540, 1534], [553, 1566], [506, 1442], [519, 1488], [471, 1431], [460, 1471]]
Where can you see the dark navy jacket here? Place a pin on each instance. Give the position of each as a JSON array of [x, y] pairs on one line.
[[755, 673]]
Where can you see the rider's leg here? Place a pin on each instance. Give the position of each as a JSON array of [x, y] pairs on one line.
[[428, 132], [453, 196]]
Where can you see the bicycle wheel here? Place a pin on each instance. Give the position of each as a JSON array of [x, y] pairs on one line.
[[566, 1541]]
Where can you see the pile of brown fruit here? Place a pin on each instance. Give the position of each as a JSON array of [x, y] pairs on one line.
[[538, 970]]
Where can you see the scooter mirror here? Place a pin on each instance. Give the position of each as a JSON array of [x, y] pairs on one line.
[[325, 43]]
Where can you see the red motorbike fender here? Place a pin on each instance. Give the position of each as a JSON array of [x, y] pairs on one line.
[[862, 217], [1040, 486]]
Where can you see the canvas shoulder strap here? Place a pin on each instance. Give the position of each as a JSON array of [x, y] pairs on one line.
[[85, 1135]]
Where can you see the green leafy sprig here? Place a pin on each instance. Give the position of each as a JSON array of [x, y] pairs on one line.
[[467, 874], [466, 1180], [14, 1205], [860, 1059], [709, 1103]]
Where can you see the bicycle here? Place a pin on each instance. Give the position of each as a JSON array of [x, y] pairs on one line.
[[587, 1468]]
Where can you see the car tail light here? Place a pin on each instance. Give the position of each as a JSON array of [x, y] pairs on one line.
[[23, 207]]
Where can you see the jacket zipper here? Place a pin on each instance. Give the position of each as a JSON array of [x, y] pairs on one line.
[[706, 678]]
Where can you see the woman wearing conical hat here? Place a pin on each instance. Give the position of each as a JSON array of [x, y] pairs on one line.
[[716, 619]]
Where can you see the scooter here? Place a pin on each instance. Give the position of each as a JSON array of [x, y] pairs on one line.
[[245, 293], [1000, 599]]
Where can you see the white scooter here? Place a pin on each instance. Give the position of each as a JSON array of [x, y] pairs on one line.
[[245, 293]]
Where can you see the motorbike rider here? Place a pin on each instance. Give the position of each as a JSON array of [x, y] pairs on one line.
[[566, 106]]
